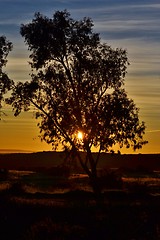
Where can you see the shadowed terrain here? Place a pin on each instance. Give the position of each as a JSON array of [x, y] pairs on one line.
[[30, 161], [37, 202]]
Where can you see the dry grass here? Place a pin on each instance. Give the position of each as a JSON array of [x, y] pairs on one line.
[[76, 215]]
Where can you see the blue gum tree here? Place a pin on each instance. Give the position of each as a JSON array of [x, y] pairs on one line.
[[77, 89]]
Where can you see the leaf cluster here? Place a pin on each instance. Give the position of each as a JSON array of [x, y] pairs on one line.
[[5, 82]]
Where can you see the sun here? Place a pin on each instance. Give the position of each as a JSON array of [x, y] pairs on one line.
[[80, 135]]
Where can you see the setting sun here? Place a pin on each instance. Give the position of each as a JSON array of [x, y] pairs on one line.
[[80, 135]]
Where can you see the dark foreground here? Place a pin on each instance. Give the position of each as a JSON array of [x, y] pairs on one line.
[[77, 215]]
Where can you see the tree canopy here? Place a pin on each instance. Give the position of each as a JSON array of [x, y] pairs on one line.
[[77, 85], [5, 82]]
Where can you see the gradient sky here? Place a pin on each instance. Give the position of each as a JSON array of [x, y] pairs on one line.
[[133, 25]]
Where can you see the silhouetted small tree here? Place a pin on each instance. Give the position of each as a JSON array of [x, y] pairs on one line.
[[5, 82], [77, 85]]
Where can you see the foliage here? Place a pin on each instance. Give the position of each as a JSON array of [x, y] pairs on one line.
[[16, 188], [3, 174], [77, 85], [139, 188], [110, 179], [5, 82], [58, 171]]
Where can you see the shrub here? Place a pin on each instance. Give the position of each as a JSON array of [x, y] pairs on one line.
[[58, 171], [109, 179], [16, 188], [3, 174], [138, 188]]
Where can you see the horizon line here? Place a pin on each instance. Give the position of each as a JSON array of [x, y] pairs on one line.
[[5, 151]]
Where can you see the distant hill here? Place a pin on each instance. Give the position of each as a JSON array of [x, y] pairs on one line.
[[131, 161], [32, 161], [5, 151]]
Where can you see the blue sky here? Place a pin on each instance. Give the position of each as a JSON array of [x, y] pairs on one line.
[[133, 25]]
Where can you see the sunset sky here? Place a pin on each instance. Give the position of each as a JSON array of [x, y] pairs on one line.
[[133, 25]]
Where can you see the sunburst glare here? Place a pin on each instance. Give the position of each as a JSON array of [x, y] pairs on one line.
[[80, 135]]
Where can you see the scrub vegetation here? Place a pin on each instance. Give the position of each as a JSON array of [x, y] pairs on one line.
[[48, 204]]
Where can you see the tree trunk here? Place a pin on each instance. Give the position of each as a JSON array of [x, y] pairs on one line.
[[94, 181], [91, 172]]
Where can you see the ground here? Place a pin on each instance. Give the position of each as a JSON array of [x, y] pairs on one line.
[[34, 207]]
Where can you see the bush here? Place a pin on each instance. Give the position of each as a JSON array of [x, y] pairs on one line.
[[3, 174], [58, 171], [17, 188], [109, 179], [138, 188]]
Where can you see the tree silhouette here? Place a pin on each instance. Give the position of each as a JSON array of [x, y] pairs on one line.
[[5, 82], [77, 86]]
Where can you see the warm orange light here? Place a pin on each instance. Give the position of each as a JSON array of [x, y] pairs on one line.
[[80, 135]]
